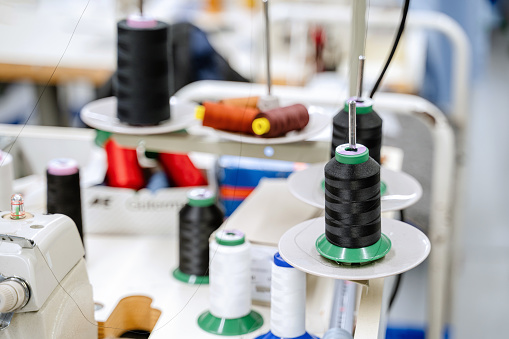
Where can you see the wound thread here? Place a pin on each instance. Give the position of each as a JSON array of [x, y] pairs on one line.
[[285, 119], [352, 201], [229, 118], [369, 129], [142, 74], [63, 190], [230, 278], [197, 220]]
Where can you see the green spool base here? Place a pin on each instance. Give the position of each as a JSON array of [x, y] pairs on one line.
[[227, 327], [383, 188], [190, 279], [353, 255]]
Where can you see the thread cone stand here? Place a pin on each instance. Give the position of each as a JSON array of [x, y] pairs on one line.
[[409, 248], [190, 278], [227, 327], [353, 255]]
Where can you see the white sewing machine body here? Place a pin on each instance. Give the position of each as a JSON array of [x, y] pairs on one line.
[[44, 254]]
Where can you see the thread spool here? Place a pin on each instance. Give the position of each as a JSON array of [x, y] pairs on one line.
[[227, 118], [142, 86], [251, 102], [369, 128], [6, 179], [279, 121], [63, 192], [197, 220], [181, 170], [352, 208], [287, 302], [123, 168], [230, 287]]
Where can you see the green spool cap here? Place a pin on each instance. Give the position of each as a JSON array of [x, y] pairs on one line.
[[101, 137], [353, 255], [190, 279], [346, 156], [230, 238], [383, 188], [229, 327], [201, 197], [364, 106]]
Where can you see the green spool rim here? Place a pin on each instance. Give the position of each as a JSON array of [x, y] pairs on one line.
[[383, 188], [352, 159], [101, 137], [201, 197], [229, 327], [353, 255], [190, 279], [361, 109], [229, 242]]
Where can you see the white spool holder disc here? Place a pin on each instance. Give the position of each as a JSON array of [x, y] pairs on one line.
[[102, 114], [410, 247], [403, 190], [318, 121]]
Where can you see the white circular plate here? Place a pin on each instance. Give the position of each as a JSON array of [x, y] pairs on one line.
[[102, 114], [318, 120], [403, 190], [409, 248]]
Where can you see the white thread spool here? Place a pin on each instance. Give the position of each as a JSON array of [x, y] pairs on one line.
[[230, 275], [6, 179], [288, 300]]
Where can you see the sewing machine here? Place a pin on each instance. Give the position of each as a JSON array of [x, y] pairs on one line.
[[44, 288]]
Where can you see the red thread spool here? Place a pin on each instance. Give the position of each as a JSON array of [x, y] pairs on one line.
[[181, 170], [279, 121], [229, 118], [123, 167]]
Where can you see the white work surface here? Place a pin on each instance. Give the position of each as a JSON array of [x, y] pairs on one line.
[[121, 266]]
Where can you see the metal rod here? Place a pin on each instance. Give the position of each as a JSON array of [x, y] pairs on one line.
[[343, 308], [267, 44], [141, 7], [352, 133], [360, 75], [357, 42]]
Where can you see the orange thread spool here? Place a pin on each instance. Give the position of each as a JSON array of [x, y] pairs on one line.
[[229, 118], [251, 102]]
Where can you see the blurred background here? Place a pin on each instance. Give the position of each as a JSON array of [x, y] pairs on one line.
[[56, 56]]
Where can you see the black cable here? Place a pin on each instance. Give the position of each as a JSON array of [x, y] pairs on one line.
[[397, 283], [394, 47]]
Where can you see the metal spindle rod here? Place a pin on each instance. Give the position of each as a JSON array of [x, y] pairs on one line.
[[360, 76], [352, 132], [267, 44]]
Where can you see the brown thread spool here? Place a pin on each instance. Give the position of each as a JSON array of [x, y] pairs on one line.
[[229, 118], [250, 102], [279, 121]]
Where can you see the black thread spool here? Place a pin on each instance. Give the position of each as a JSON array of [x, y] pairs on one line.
[[141, 82], [63, 191], [369, 128], [197, 220], [352, 208]]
